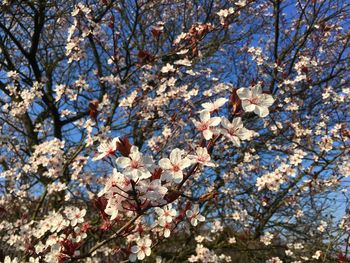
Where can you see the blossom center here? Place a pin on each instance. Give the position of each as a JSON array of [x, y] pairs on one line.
[[142, 247], [254, 100], [110, 151], [232, 132], [126, 183], [135, 164], [203, 126], [176, 168], [201, 159]]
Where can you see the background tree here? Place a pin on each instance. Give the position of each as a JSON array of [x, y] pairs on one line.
[[203, 131]]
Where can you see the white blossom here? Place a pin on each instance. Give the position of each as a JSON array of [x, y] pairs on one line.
[[136, 165], [194, 215], [253, 99], [206, 124], [234, 131], [174, 165], [141, 249]]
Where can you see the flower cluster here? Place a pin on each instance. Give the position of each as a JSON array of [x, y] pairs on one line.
[[130, 126]]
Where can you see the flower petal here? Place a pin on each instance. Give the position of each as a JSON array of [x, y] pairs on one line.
[[141, 255], [220, 102], [247, 106], [148, 251], [256, 90], [186, 162], [215, 121], [175, 156], [148, 242], [177, 177], [123, 162], [205, 116], [165, 164], [244, 93], [237, 122], [207, 134], [266, 100], [261, 111], [225, 123]]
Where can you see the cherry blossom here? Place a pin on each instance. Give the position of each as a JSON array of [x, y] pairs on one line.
[[194, 215], [113, 207], [234, 131], [12, 74], [75, 215], [213, 106], [166, 228], [141, 249], [232, 240], [168, 68], [206, 124], [136, 165], [203, 254], [266, 238], [153, 190], [225, 12], [166, 214], [117, 179], [274, 260], [174, 165], [253, 99], [181, 93], [9, 260], [202, 157], [317, 254], [241, 3], [106, 149], [115, 190]]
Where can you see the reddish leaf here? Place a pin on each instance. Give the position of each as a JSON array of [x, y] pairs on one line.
[[124, 146]]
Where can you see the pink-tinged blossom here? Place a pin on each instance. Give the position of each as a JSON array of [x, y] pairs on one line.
[[167, 68], [173, 167], [141, 249], [204, 255], [266, 238], [49, 154], [166, 214], [253, 99], [326, 143], [9, 260], [115, 183], [223, 13], [115, 191], [241, 3], [194, 215], [206, 124], [213, 106], [80, 8], [276, 178], [153, 190], [166, 228], [274, 260], [202, 157], [135, 166], [114, 205], [106, 149], [58, 222], [75, 215], [234, 131]]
